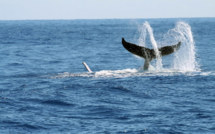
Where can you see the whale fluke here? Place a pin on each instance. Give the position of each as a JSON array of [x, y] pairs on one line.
[[169, 49], [149, 54]]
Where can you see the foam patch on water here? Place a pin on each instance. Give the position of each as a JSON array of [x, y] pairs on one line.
[[102, 73], [67, 74], [124, 73], [116, 73]]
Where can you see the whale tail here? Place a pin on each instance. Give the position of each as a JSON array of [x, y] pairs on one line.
[[149, 54]]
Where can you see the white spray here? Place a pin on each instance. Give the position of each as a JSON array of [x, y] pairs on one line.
[[184, 59], [146, 27]]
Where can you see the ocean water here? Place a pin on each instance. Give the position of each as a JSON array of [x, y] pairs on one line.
[[44, 88]]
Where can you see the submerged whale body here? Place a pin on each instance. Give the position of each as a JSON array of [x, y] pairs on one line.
[[149, 54]]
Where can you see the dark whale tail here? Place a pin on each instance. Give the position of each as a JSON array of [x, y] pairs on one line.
[[149, 54]]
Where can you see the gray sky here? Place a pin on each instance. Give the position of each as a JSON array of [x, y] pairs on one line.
[[103, 9]]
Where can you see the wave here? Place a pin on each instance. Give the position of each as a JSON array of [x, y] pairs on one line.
[[56, 102]]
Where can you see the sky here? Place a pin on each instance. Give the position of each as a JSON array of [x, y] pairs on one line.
[[104, 9]]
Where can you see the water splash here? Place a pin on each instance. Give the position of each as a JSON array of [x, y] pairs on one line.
[[142, 39], [184, 59]]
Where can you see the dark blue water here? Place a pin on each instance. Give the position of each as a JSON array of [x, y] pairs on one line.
[[44, 88]]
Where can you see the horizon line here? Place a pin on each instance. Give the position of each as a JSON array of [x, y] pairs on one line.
[[55, 19]]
